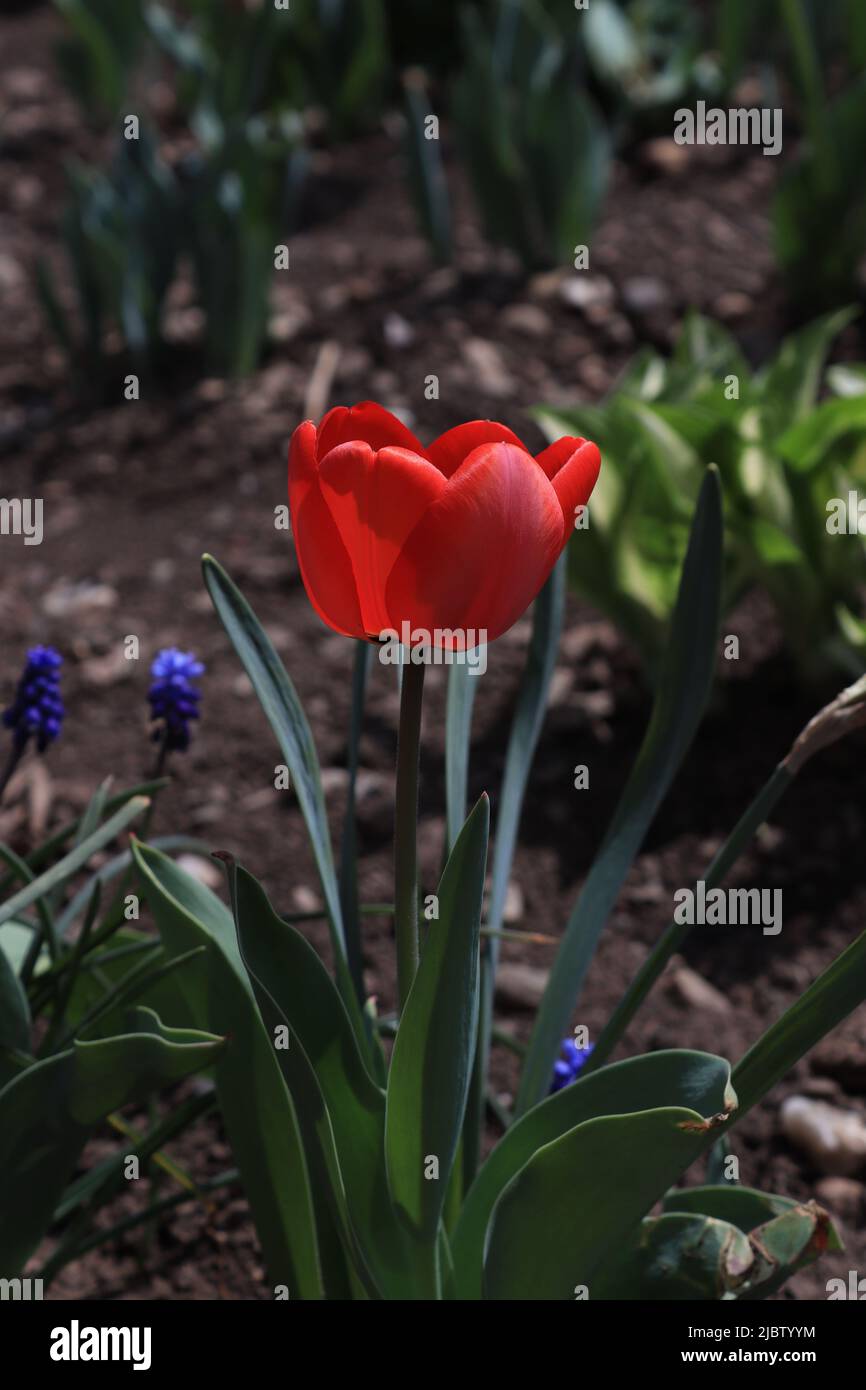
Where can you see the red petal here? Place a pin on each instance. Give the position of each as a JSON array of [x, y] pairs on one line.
[[452, 447], [376, 500], [322, 557], [480, 554], [574, 480], [555, 455], [367, 421]]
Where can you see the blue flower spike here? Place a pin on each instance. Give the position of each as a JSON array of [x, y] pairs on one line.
[[571, 1062], [37, 709], [174, 699]]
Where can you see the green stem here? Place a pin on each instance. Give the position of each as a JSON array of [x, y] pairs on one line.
[[676, 933], [348, 880], [406, 828]]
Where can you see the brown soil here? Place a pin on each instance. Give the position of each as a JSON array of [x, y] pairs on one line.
[[134, 492]]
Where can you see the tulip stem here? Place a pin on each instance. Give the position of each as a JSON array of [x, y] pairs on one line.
[[406, 828]]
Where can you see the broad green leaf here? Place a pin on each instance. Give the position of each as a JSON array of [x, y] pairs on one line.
[[556, 1222], [258, 1110], [433, 1052], [791, 382], [73, 861], [47, 1112], [338, 1104], [693, 1079], [806, 445], [284, 713], [683, 689]]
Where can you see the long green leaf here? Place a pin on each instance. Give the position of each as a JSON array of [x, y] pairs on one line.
[[522, 742], [74, 860], [435, 1044], [339, 1105], [258, 1110], [284, 713], [683, 688]]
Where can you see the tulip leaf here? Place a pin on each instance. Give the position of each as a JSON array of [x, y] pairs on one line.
[[556, 1222], [697, 1080], [284, 712], [682, 1256], [435, 1045], [717, 1242], [14, 1009], [257, 1109], [341, 1110], [48, 1111], [522, 742], [683, 689]]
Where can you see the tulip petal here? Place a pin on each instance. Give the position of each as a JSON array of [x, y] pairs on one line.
[[376, 500], [322, 557], [575, 478], [452, 447], [367, 421], [555, 455], [481, 552]]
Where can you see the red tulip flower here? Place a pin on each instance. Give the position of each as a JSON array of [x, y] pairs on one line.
[[456, 537]]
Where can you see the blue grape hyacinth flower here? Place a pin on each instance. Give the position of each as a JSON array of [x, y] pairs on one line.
[[37, 709], [174, 700], [569, 1065]]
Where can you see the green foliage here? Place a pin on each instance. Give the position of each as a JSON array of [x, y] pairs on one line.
[[374, 1183], [782, 456], [718, 1242], [73, 1049], [100, 51], [121, 234], [527, 132], [824, 188]]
